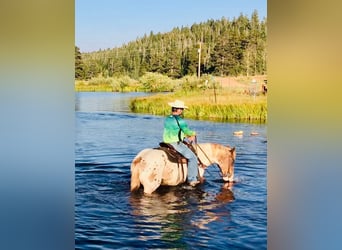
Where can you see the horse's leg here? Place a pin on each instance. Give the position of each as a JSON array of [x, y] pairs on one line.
[[201, 174], [184, 172]]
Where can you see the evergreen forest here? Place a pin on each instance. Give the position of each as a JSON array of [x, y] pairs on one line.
[[224, 47]]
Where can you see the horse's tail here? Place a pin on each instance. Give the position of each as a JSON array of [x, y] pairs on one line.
[[135, 181]]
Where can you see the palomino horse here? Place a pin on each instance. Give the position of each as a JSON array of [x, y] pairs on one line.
[[152, 168]]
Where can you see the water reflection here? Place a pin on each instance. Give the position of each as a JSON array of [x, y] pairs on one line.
[[176, 210], [215, 210], [104, 101], [226, 194]]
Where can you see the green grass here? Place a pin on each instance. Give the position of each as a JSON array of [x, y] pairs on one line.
[[229, 105], [206, 99]]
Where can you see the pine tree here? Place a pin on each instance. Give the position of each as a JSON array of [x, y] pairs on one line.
[[79, 66]]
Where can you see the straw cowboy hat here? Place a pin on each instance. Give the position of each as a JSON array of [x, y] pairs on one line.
[[178, 104]]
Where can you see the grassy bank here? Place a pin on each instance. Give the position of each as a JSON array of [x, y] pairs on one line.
[[209, 98], [205, 105]]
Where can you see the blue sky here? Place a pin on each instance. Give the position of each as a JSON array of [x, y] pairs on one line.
[[102, 24]]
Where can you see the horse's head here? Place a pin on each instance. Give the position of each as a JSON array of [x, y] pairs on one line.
[[223, 156], [226, 159]]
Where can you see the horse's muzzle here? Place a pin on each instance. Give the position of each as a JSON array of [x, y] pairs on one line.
[[225, 178], [228, 177]]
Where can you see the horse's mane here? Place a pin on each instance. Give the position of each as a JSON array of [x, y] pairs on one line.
[[215, 145]]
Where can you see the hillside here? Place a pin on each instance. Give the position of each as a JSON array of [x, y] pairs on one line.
[[226, 47]]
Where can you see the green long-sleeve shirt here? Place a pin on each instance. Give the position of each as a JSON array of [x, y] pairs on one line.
[[171, 129]]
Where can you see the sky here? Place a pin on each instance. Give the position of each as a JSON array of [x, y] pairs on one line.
[[103, 24]]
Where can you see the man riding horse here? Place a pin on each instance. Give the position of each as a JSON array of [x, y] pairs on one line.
[[153, 167], [176, 131]]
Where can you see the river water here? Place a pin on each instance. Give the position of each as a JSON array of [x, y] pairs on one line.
[[211, 216]]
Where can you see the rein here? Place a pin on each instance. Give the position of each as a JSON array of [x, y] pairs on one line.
[[206, 156]]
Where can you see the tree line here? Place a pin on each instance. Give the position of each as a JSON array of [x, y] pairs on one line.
[[216, 47]]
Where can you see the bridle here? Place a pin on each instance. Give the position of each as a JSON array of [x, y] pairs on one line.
[[210, 161]]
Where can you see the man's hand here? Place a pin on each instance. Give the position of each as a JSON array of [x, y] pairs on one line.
[[192, 138]]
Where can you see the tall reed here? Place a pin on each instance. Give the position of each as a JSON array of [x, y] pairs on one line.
[[236, 108]]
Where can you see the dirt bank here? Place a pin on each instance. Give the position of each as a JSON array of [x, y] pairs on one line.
[[241, 83]]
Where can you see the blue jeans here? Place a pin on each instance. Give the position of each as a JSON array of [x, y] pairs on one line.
[[192, 159]]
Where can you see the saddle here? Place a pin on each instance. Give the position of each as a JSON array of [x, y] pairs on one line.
[[172, 154]]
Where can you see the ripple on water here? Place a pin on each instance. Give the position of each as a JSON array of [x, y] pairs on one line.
[[213, 215]]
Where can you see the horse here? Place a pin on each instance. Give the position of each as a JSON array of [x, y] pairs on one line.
[[152, 167]]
